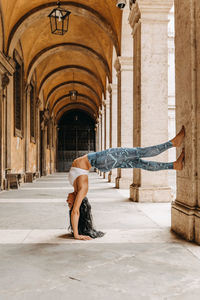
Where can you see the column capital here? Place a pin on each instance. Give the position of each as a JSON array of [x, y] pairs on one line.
[[38, 102], [106, 102], [28, 88], [109, 88], [123, 63], [4, 81], [154, 11], [114, 88]]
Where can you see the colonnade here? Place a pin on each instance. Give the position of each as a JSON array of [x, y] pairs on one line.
[[139, 105]]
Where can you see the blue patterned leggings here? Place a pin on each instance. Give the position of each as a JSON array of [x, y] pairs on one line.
[[130, 158]]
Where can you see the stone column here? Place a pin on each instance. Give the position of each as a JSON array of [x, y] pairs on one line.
[[113, 126], [97, 134], [4, 81], [149, 20], [27, 127], [124, 67], [38, 103], [100, 134], [50, 144], [186, 208], [107, 127], [44, 146]]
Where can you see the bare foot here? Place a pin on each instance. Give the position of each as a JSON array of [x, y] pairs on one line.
[[178, 164], [178, 139]]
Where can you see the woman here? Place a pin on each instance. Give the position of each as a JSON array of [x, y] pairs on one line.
[[110, 159]]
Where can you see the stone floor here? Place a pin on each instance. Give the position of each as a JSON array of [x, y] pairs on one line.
[[138, 258]]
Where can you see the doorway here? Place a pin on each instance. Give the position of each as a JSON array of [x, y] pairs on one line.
[[76, 137]]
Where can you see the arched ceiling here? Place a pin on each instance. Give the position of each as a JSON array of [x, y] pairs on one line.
[[81, 59]]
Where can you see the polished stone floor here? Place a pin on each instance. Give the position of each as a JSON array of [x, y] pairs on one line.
[[139, 258]]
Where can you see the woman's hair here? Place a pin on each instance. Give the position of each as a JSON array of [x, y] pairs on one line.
[[85, 224]]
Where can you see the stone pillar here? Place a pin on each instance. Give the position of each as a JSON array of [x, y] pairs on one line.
[[103, 128], [186, 208], [44, 125], [44, 145], [50, 144], [107, 127], [4, 81], [124, 67], [38, 103], [149, 20], [97, 135], [100, 134], [113, 126], [27, 127]]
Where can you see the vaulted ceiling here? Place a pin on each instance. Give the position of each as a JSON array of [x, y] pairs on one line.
[[81, 59]]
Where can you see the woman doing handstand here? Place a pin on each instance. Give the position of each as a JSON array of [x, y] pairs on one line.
[[110, 159]]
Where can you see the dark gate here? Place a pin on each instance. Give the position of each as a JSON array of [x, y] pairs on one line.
[[76, 137]]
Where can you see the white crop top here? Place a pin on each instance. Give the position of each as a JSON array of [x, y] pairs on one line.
[[76, 172]]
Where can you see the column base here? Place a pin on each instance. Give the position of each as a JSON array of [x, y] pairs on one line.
[[122, 182], [185, 221], [112, 176], [150, 194]]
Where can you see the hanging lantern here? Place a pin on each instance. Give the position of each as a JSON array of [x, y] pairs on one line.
[[59, 20], [73, 93]]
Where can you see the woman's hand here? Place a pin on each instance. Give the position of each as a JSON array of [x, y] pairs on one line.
[[82, 237]]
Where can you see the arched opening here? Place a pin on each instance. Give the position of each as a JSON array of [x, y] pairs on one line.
[[76, 137]]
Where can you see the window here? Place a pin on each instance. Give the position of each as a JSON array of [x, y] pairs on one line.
[[32, 113], [18, 95]]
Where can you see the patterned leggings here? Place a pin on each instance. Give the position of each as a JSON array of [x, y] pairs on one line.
[[130, 158]]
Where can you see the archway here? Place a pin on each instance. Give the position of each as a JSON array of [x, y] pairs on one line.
[[76, 137]]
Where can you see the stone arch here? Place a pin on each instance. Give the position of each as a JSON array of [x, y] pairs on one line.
[[66, 47], [73, 82], [69, 68], [80, 95], [43, 10], [76, 105]]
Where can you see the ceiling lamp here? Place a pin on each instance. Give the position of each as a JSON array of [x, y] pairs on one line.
[[59, 20], [73, 93]]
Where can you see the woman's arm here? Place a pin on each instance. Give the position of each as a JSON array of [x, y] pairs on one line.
[[82, 183]]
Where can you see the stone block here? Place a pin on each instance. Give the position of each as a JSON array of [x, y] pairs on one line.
[[150, 194], [182, 221]]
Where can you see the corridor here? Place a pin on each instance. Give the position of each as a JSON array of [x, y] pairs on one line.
[[138, 258]]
